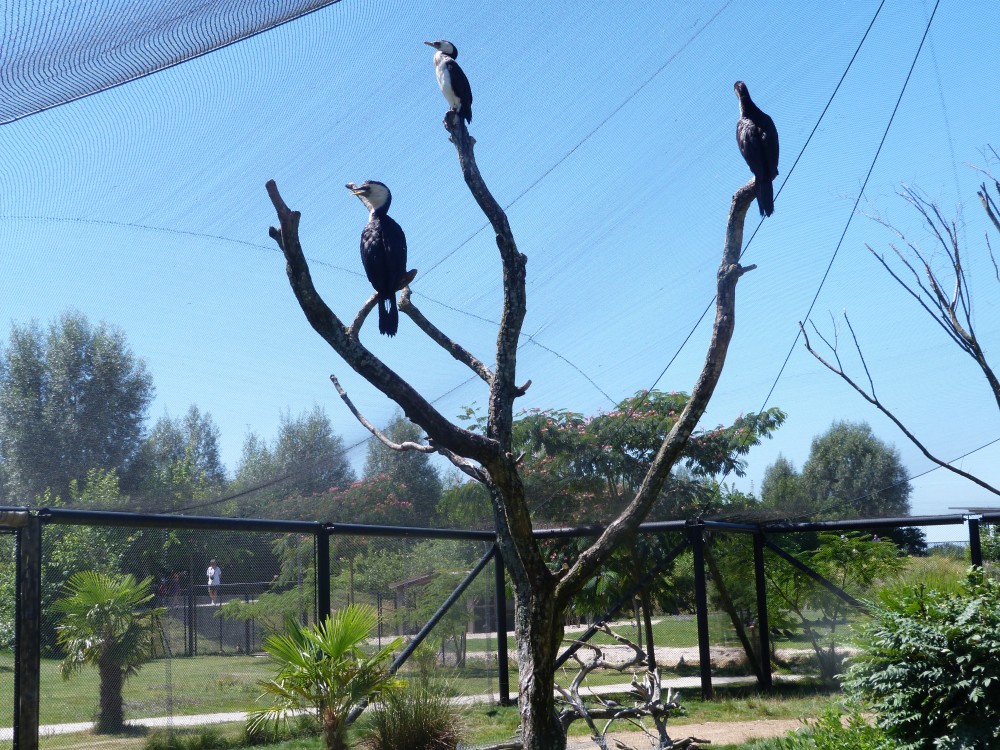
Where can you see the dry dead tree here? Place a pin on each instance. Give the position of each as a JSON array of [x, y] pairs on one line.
[[646, 692], [943, 294], [541, 595]]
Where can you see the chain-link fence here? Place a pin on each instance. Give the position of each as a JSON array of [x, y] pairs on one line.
[[716, 606]]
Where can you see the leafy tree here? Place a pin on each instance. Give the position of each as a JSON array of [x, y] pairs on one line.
[[326, 667], [465, 504], [307, 458], [582, 470], [781, 486], [850, 470], [930, 666], [849, 473], [989, 539], [73, 549], [854, 562], [106, 622], [73, 397], [849, 467], [191, 439], [416, 479]]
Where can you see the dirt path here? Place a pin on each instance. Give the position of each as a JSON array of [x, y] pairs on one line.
[[719, 733]]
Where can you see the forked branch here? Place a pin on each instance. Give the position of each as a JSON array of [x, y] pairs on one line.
[[619, 530], [406, 445], [872, 399], [344, 341], [449, 345]]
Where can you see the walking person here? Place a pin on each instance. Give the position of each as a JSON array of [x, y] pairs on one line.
[[214, 574]]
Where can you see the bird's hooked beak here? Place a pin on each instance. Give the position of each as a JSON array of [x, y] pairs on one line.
[[432, 44], [357, 190]]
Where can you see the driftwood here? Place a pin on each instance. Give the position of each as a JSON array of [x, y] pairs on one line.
[[647, 698]]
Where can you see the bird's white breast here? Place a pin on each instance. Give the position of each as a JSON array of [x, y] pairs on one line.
[[444, 81]]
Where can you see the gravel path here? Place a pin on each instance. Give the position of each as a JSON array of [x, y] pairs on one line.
[[719, 733]]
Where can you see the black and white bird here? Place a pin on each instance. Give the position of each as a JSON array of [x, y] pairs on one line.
[[451, 78], [758, 141], [383, 252]]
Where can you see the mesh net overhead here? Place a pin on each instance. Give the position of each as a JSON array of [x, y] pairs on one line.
[[52, 53]]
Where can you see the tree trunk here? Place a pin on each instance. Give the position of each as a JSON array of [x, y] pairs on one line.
[[110, 718], [334, 730], [539, 633]]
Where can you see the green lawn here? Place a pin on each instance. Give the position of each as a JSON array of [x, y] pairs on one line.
[[204, 684], [673, 631]]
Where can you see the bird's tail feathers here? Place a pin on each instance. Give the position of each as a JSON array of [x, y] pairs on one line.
[[388, 316], [765, 196]]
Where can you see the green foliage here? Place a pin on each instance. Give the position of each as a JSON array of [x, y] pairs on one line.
[[780, 488], [937, 572], [8, 590], [72, 549], [989, 540], [194, 437], [73, 397], [106, 622], [831, 731], [584, 469], [465, 505], [206, 738], [327, 667], [855, 563], [290, 592], [930, 667], [849, 473], [307, 459], [415, 478], [417, 719]]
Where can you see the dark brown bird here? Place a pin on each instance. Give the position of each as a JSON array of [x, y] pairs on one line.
[[758, 141], [383, 252]]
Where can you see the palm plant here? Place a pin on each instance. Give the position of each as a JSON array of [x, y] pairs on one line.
[[107, 623], [325, 667]]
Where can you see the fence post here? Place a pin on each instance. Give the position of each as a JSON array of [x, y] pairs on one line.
[[500, 603], [322, 575], [975, 544], [28, 634], [192, 615], [696, 532], [763, 627]]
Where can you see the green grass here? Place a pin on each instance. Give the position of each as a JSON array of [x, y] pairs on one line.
[[680, 631], [204, 684], [492, 723]]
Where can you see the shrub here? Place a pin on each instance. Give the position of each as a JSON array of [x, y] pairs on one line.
[[204, 739], [418, 719], [930, 666], [830, 732], [328, 667]]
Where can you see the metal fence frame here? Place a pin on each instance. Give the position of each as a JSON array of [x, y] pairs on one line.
[[28, 524]]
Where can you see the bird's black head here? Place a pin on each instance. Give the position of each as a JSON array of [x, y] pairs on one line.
[[375, 195], [445, 47], [741, 91]]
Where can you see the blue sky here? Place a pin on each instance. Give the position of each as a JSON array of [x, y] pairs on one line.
[[608, 130]]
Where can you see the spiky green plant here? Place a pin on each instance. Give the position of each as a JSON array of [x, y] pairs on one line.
[[327, 667], [423, 718], [107, 623]]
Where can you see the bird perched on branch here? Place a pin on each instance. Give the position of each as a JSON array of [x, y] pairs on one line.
[[451, 78], [758, 141], [383, 252]]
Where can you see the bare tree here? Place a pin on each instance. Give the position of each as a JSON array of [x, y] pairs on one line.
[[541, 594], [943, 294]]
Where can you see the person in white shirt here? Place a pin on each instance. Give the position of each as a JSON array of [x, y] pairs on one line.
[[214, 574]]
